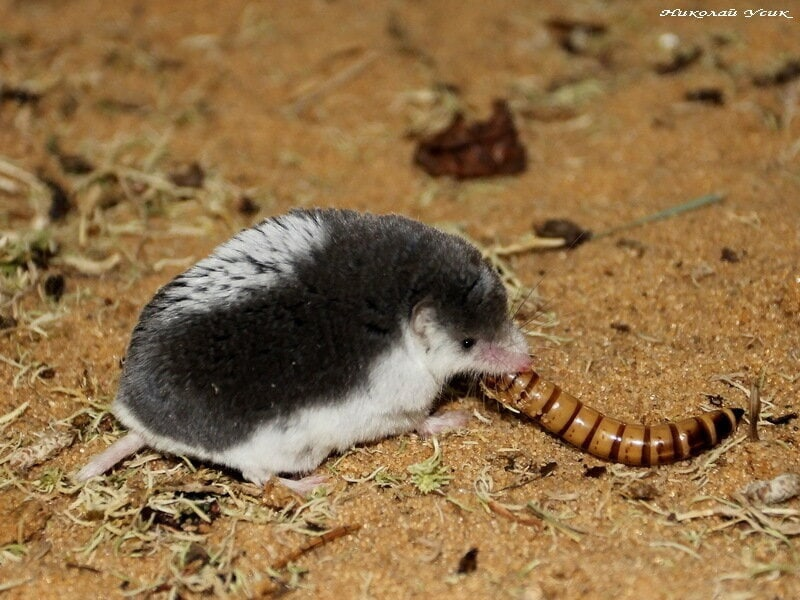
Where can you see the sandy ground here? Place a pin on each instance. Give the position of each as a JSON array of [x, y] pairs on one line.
[[315, 104]]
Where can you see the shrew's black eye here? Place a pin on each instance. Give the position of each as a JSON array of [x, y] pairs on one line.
[[467, 343]]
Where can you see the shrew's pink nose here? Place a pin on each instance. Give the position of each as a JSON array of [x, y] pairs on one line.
[[505, 361]]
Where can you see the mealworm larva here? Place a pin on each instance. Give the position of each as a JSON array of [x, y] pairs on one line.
[[582, 426]]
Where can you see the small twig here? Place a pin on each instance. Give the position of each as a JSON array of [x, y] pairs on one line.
[[325, 538], [301, 104], [571, 532], [195, 488], [755, 409], [503, 511], [38, 192], [526, 243], [676, 546], [11, 416], [81, 567], [743, 511], [88, 266], [665, 214], [12, 583], [729, 379]]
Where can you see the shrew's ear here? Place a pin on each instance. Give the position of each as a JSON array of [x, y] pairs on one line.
[[423, 318]]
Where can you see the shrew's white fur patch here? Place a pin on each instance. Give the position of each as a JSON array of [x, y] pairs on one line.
[[253, 259], [396, 399]]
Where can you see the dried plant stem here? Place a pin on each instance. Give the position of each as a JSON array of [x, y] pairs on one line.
[[301, 104], [529, 242], [503, 511], [325, 538], [667, 213], [755, 410]]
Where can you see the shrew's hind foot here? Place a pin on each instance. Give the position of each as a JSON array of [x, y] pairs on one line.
[[305, 486], [442, 422]]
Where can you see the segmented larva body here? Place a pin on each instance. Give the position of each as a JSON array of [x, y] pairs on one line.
[[582, 426]]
